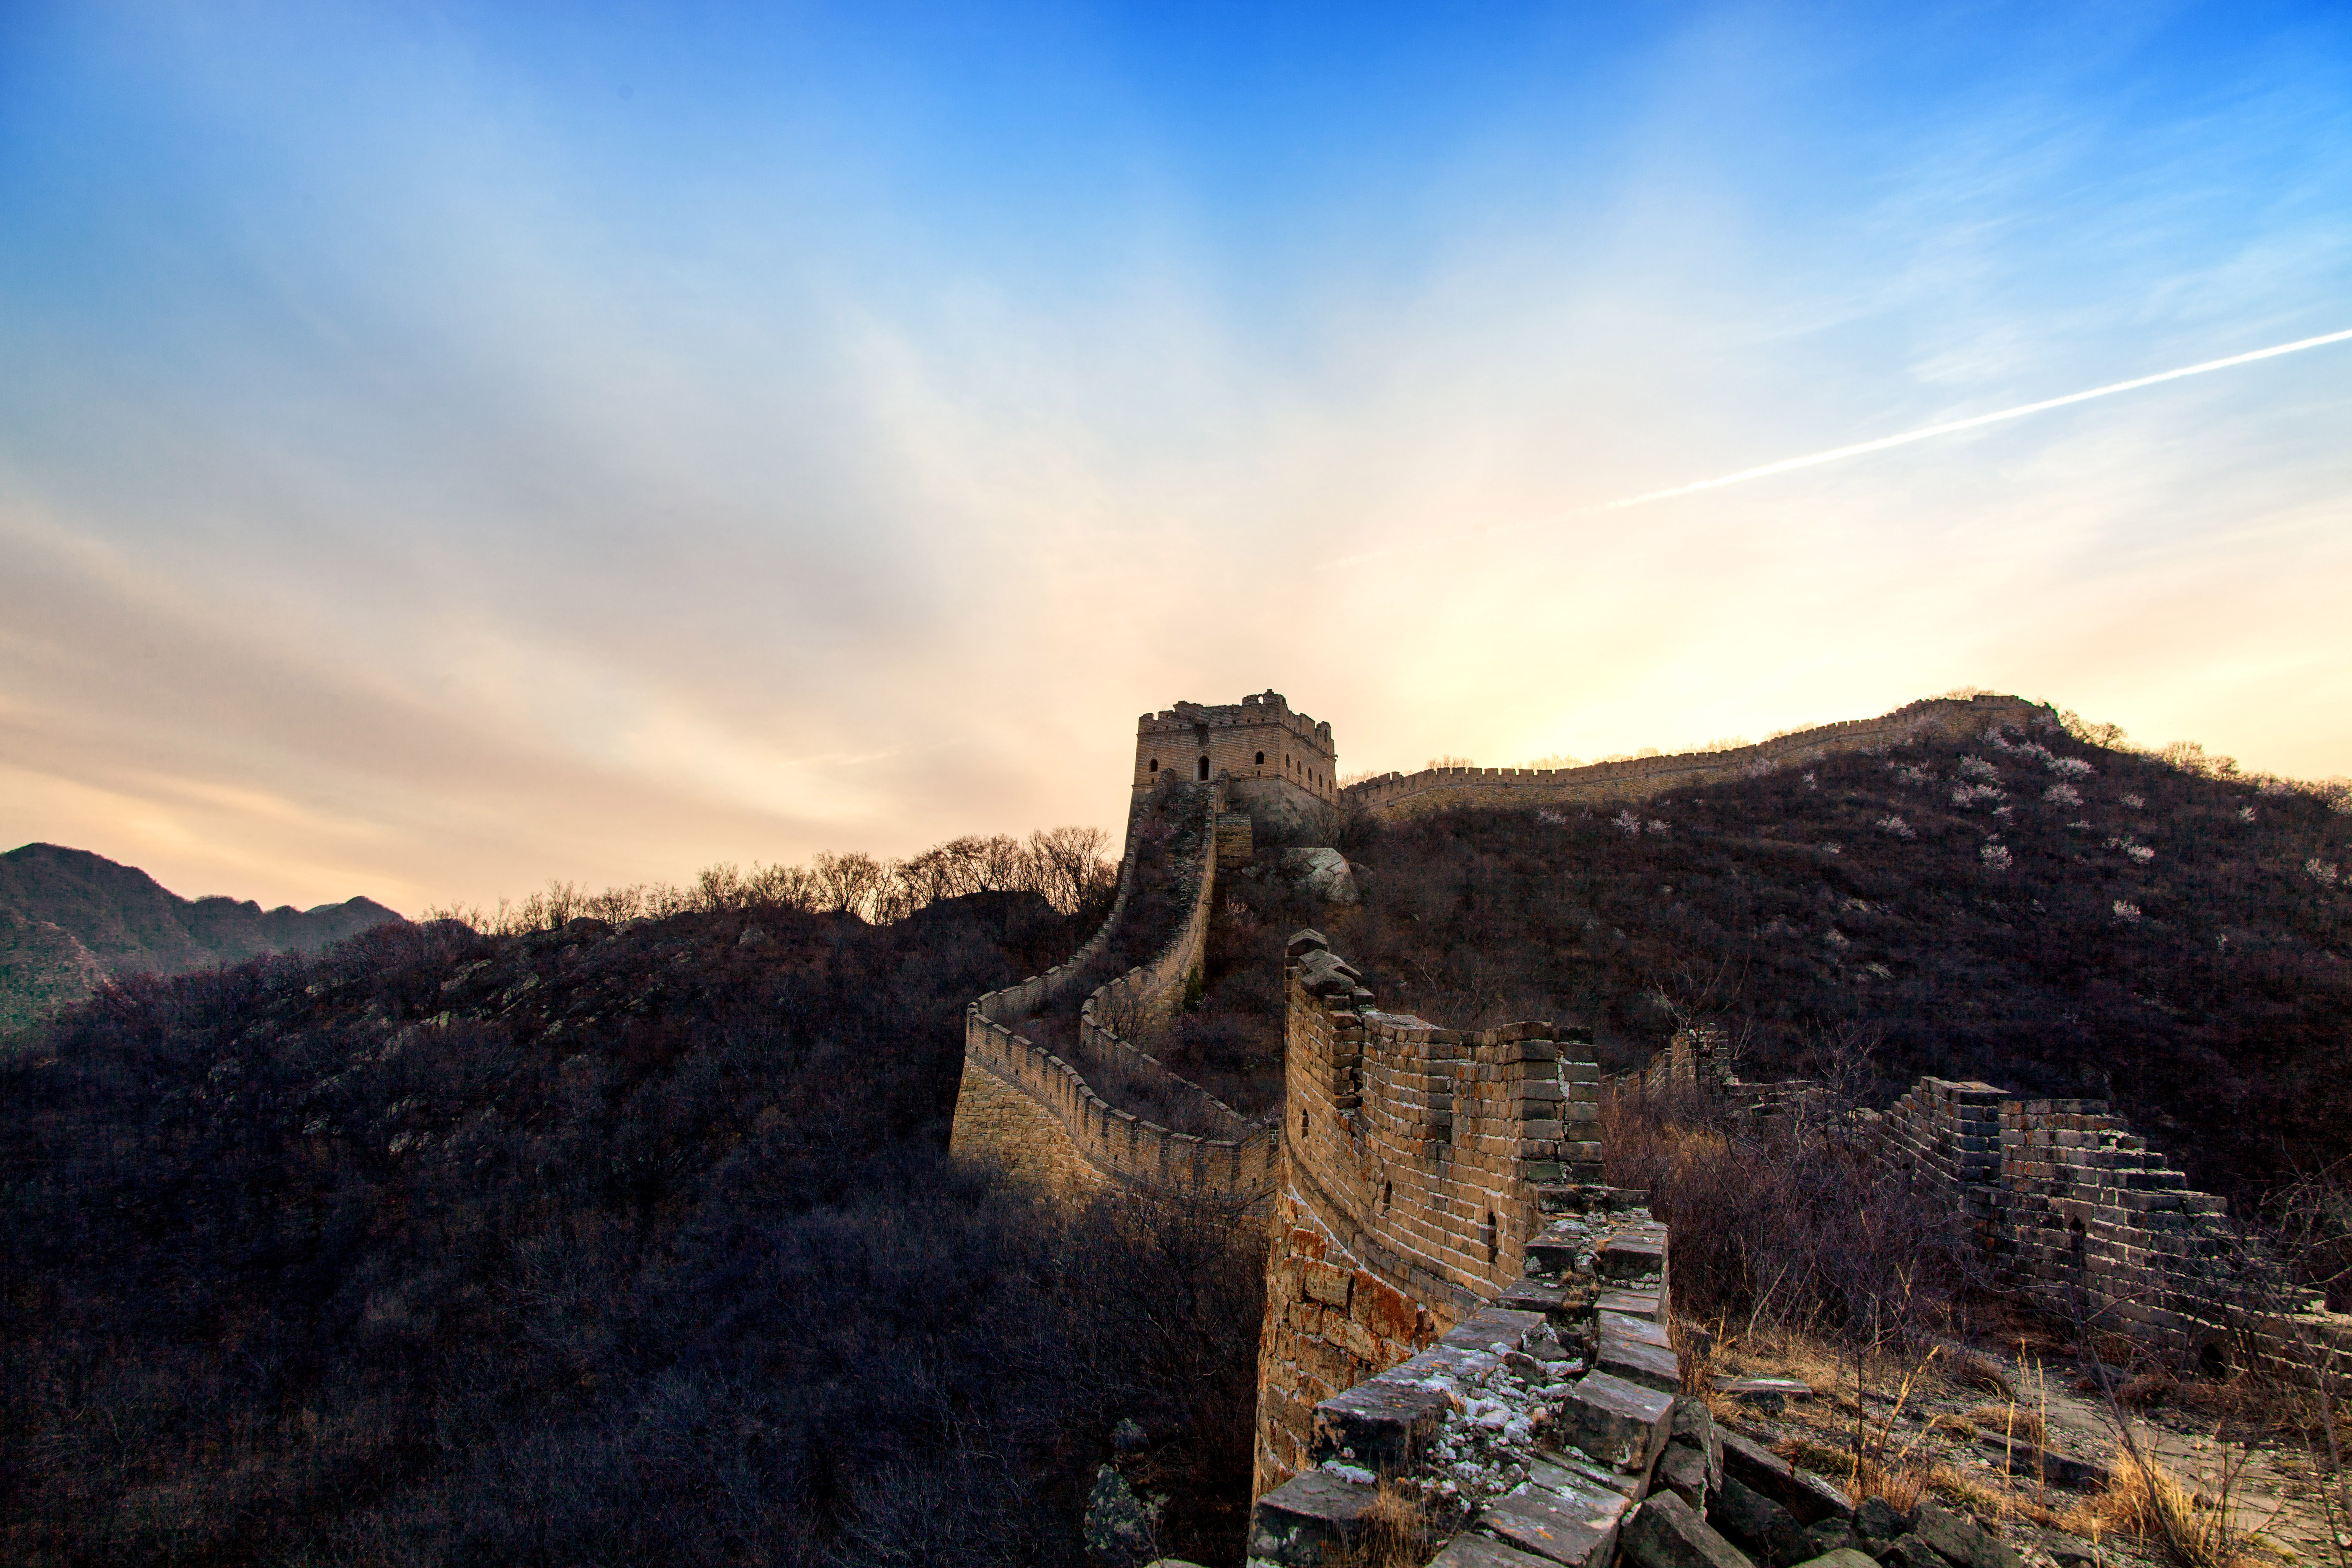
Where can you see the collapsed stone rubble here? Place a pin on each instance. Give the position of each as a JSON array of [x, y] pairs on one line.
[[1550, 1428]]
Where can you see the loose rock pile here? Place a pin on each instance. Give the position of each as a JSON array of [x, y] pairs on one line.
[[1550, 1429]]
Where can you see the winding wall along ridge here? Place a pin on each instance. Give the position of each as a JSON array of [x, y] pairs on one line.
[[1123, 1147], [1397, 796]]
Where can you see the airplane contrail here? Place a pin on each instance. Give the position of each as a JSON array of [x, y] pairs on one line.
[[1909, 436]]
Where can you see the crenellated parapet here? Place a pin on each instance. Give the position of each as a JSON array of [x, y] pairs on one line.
[[1046, 1116], [1418, 1164], [1282, 767], [1393, 797]]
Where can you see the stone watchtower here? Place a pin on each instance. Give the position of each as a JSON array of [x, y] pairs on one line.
[[1281, 767]]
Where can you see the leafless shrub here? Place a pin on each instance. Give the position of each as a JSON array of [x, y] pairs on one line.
[[1785, 1220], [1062, 865]]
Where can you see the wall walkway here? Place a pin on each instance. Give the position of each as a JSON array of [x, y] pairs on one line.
[[1099, 1143]]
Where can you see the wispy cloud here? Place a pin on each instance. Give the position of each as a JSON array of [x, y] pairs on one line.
[[438, 469]]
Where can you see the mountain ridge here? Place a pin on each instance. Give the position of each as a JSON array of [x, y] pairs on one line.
[[71, 918]]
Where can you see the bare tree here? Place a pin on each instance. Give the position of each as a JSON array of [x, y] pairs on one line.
[[846, 882]]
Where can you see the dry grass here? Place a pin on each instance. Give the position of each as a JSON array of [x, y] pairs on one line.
[[1780, 1353], [1398, 1532], [1694, 1355], [2193, 1532], [2021, 1423], [1969, 1370]]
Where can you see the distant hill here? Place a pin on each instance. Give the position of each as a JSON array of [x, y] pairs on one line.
[[69, 918]]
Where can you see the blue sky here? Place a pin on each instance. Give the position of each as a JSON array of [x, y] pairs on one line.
[[447, 449]]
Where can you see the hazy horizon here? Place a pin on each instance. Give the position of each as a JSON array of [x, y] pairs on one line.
[[444, 453]]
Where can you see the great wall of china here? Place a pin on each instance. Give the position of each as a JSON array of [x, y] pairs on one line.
[[1447, 1273]]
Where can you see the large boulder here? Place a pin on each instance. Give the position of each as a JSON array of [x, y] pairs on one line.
[[1321, 872]]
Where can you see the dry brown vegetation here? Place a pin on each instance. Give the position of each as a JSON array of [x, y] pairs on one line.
[[1398, 1532], [584, 1246], [1804, 1261]]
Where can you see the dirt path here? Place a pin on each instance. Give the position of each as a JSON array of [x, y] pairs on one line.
[[2274, 1487]]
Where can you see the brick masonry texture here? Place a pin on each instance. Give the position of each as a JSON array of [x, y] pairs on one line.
[[1392, 797], [1281, 767], [1414, 1163]]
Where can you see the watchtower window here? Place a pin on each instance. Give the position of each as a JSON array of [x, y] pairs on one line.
[[1261, 759], [1494, 1249], [1204, 768], [1155, 764]]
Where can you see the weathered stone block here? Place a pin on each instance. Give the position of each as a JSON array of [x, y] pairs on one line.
[[1308, 1519], [1683, 1470], [1633, 1257], [1557, 1300], [1491, 1327], [1632, 1303], [1829, 1536], [1637, 1363], [1910, 1552], [1327, 1283], [1667, 1533], [1758, 1524], [1479, 1552], [1580, 1469], [1808, 1496], [1640, 1330], [1876, 1521], [1577, 1526], [1962, 1539], [1382, 1422], [1384, 1311], [1555, 1248], [1693, 1424], [1621, 1423], [1842, 1557]]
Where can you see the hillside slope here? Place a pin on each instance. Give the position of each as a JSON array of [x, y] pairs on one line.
[[67, 916], [597, 1244], [2052, 916]]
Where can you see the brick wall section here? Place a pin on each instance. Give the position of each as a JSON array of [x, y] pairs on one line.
[[1414, 1161], [1120, 1148], [1948, 1133], [1331, 1322], [2078, 1209], [1393, 797], [2074, 1206]]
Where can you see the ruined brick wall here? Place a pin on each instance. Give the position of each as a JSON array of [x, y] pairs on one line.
[[1543, 1420], [2082, 1215], [2086, 1200], [1105, 1144], [1414, 1163], [1948, 1134], [1393, 797]]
